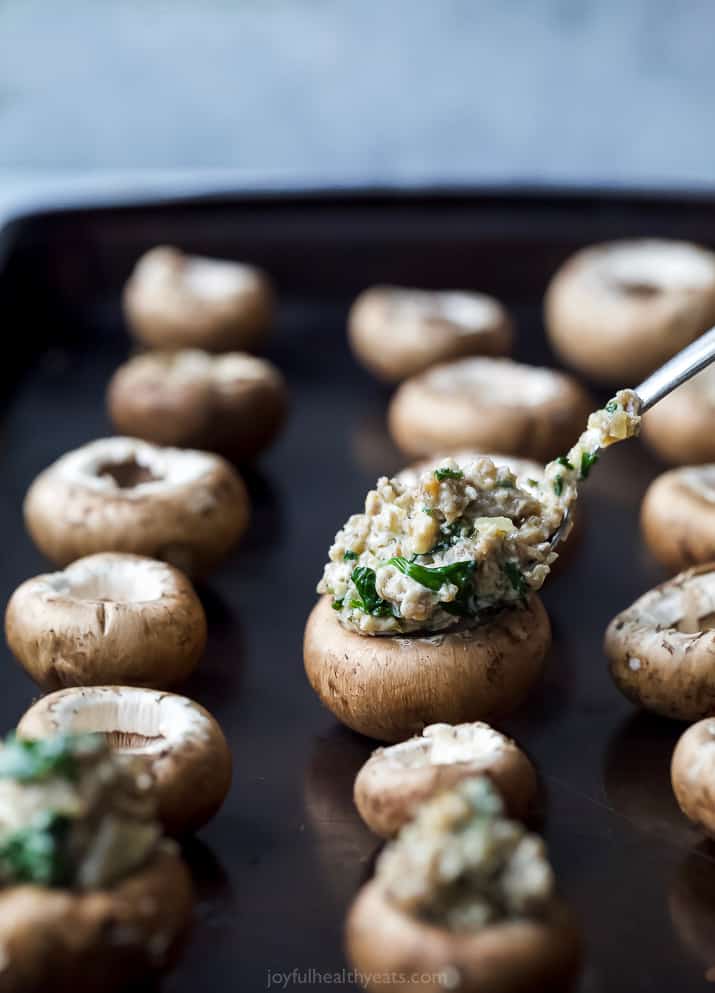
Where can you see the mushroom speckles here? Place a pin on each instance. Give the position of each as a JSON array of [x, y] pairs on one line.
[[182, 745], [390, 688], [662, 648], [488, 405], [232, 404], [125, 495], [678, 516], [173, 300], [396, 332], [394, 781], [107, 618], [617, 311]]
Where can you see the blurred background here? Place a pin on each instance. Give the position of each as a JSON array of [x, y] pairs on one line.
[[563, 91]]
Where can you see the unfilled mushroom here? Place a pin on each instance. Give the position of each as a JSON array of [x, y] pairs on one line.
[[233, 404], [618, 310], [680, 427], [125, 495], [692, 773], [397, 332], [181, 744], [107, 618], [488, 405], [394, 781], [662, 648], [678, 516], [173, 300], [390, 688], [92, 897], [463, 899]]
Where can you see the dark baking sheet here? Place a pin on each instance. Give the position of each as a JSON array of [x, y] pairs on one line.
[[276, 870]]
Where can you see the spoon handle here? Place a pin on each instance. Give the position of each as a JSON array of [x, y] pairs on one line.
[[677, 370]]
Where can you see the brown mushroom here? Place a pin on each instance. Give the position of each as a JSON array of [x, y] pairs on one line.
[[182, 745], [678, 516], [692, 773], [107, 618], [71, 941], [233, 404], [618, 310], [173, 300], [662, 648], [389, 688], [397, 332], [680, 427], [125, 495], [396, 780], [488, 405]]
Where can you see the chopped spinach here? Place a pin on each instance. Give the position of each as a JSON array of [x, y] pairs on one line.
[[563, 460], [516, 578], [558, 485], [350, 554], [440, 474], [337, 604], [533, 482], [450, 535], [588, 460], [459, 573], [505, 484], [612, 406], [29, 761], [36, 854], [370, 603]]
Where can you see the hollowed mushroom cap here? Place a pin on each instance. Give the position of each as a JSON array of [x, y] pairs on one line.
[[488, 405], [681, 427], [71, 941], [662, 648], [184, 748], [678, 516], [618, 310], [692, 773], [173, 300], [389, 688], [108, 618], [397, 332], [396, 780], [514, 956], [233, 404], [125, 495]]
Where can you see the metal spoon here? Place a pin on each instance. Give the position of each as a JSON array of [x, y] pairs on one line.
[[659, 384]]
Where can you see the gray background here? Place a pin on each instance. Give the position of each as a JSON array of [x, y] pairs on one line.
[[605, 91]]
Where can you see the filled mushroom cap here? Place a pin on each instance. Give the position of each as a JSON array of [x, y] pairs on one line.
[[661, 648], [466, 897], [489, 405], [180, 743], [110, 616], [173, 300], [233, 404], [397, 332], [126, 495], [618, 310], [680, 426], [394, 781], [678, 516], [93, 897], [692, 773]]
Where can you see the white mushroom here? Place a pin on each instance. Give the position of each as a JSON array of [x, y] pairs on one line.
[[678, 516]]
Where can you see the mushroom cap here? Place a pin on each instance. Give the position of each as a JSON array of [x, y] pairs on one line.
[[692, 773], [396, 780], [680, 427], [107, 618], [514, 956], [183, 745], [678, 516], [389, 688], [234, 404], [618, 310], [125, 495], [490, 405], [174, 300], [662, 648], [397, 332], [80, 942]]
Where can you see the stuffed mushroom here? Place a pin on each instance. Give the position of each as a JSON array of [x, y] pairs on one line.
[[466, 898], [91, 896]]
